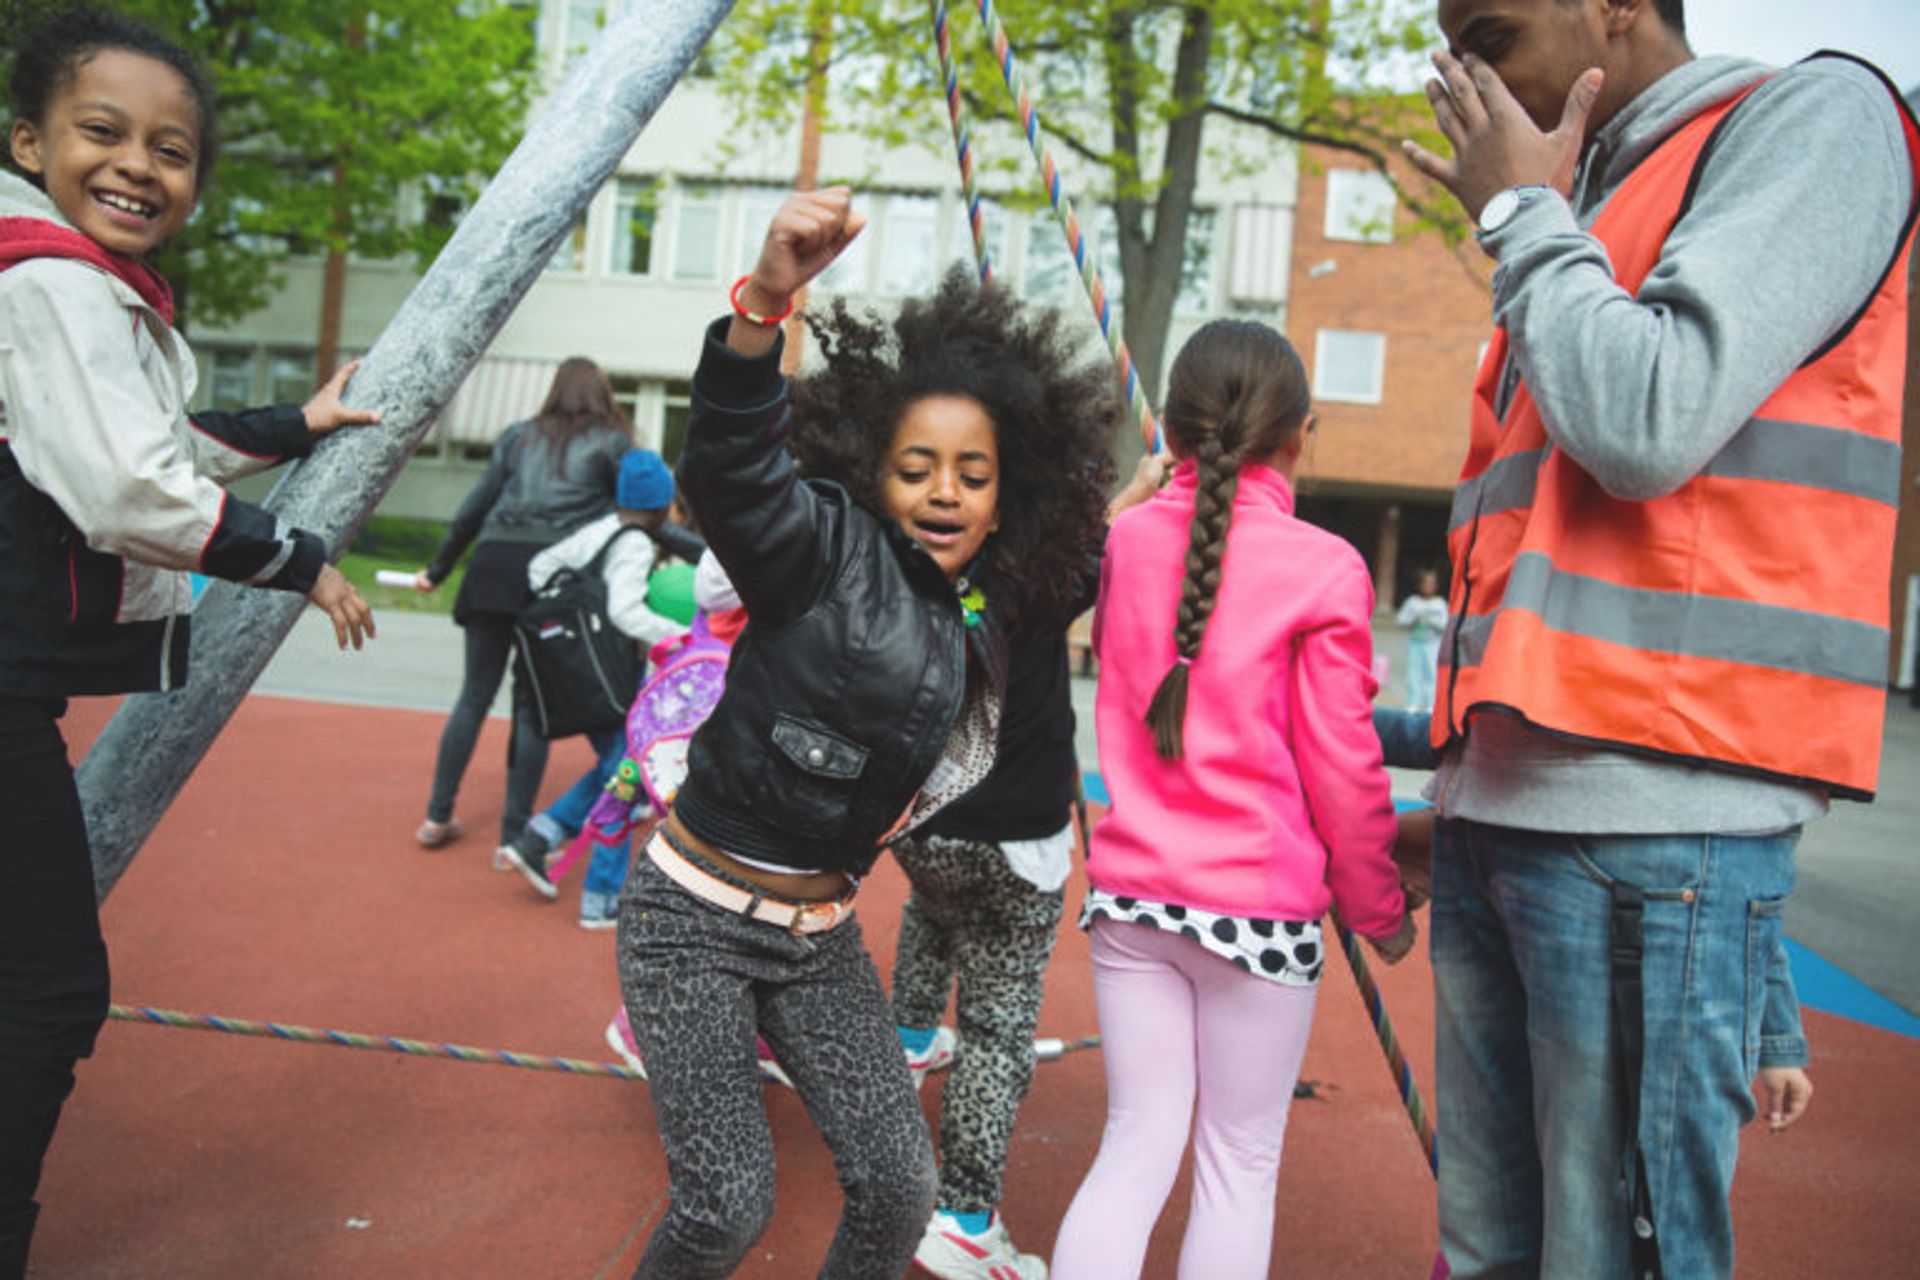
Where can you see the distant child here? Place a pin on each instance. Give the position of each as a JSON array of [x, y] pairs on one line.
[[109, 495], [1236, 739], [643, 490], [1423, 615], [863, 694]]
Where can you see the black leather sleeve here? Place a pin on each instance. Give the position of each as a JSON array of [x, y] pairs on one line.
[[772, 533]]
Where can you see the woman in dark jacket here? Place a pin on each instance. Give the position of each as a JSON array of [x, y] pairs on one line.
[[547, 476]]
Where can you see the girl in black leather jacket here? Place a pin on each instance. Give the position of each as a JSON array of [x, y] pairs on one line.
[[863, 695]]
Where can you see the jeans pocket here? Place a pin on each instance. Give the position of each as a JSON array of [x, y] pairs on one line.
[[1763, 940], [1666, 868]]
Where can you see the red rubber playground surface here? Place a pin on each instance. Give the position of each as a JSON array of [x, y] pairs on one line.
[[284, 885]]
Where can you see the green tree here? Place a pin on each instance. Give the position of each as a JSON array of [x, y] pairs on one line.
[[347, 127], [1132, 94]]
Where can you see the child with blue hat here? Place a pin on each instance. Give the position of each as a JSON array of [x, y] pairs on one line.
[[642, 493]]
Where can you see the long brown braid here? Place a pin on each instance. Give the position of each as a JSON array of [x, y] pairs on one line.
[[1237, 392]]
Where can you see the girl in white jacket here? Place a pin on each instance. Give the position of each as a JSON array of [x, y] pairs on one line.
[[109, 494]]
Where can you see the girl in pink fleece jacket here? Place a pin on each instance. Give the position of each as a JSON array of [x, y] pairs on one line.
[[1234, 719]]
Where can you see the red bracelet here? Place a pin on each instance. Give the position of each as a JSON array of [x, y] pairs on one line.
[[754, 317]]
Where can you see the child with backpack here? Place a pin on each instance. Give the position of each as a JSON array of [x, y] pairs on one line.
[[862, 695], [621, 544], [1248, 797]]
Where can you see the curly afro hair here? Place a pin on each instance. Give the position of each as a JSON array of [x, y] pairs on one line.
[[1053, 418]]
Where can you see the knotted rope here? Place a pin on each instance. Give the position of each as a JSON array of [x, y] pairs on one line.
[[1046, 1050]]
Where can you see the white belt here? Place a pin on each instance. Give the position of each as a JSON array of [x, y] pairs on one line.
[[794, 917]]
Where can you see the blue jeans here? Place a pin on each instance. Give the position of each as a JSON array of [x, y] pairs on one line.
[[561, 821], [1530, 1113]]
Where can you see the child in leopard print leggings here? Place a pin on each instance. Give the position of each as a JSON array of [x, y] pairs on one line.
[[863, 695]]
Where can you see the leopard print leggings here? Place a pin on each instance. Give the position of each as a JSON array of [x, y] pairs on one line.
[[970, 917], [698, 981]]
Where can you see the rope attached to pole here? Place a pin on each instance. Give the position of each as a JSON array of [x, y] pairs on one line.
[[962, 141], [354, 1040], [1046, 1050], [1083, 255], [1389, 1042]]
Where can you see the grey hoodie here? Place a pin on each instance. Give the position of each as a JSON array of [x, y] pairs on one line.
[[1794, 222]]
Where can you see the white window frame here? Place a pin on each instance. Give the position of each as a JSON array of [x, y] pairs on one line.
[[919, 270], [754, 207], [627, 188], [692, 195], [1323, 361], [1360, 206]]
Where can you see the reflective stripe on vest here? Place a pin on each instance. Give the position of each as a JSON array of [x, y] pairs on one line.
[[1741, 620]]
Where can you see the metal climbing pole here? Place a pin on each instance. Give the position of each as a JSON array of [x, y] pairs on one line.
[[150, 748]]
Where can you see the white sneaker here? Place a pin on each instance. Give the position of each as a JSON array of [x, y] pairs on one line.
[[951, 1253], [937, 1056], [770, 1069]]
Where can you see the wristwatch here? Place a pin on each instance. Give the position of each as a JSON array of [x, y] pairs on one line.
[[1501, 207]]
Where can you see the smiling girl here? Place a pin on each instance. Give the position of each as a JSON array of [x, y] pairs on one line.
[[109, 494], [862, 696]]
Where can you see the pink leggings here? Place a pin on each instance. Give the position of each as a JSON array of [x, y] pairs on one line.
[[1179, 1023]]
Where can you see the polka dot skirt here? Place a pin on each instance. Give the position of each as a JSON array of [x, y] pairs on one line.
[[1285, 951]]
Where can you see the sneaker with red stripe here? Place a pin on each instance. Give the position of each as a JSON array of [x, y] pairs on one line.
[[948, 1251], [937, 1056]]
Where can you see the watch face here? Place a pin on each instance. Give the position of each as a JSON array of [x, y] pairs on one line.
[[1497, 210]]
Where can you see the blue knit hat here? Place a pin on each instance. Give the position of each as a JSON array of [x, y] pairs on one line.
[[645, 483]]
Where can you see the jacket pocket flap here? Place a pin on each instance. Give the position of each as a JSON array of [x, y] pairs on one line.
[[817, 750]]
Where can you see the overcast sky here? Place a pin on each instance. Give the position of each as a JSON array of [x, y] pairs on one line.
[[1886, 32]]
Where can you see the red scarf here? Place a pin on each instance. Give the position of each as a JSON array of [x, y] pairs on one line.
[[24, 238]]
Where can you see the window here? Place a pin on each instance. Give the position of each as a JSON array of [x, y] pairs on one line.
[[1349, 365], [696, 234], [443, 202], [1052, 277], [909, 239], [290, 376], [1360, 206], [579, 24], [1196, 267], [230, 378], [636, 216], [571, 254], [673, 423], [994, 219], [757, 206], [849, 272]]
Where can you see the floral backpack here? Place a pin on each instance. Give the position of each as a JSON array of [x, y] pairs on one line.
[[670, 705]]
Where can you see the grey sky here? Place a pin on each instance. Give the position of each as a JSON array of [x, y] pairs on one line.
[[1886, 32]]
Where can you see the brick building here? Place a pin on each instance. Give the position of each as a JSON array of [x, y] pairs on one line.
[[1391, 327]]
